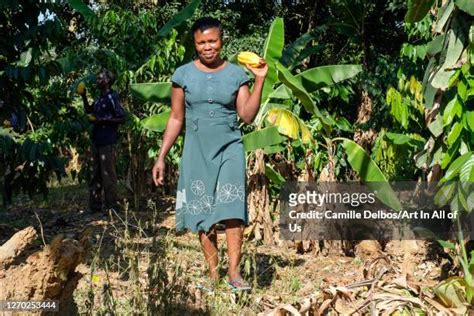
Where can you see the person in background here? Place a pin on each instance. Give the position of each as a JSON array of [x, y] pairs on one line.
[[106, 114]]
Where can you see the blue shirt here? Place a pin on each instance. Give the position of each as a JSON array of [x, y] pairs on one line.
[[106, 107]]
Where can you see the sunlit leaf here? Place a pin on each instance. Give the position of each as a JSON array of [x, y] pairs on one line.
[[370, 172], [272, 52], [152, 92], [157, 122], [285, 121], [262, 138], [455, 167], [467, 170], [318, 77]]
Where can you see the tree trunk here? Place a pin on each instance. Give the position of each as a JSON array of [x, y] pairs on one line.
[[259, 201]]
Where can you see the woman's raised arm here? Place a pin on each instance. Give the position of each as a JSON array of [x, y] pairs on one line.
[[248, 103]]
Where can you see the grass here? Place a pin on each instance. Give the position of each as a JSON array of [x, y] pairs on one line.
[[137, 265]]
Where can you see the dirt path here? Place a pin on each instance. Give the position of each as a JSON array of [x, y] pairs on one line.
[[137, 264]]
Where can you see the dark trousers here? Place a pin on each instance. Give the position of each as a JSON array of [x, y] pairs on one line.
[[104, 177]]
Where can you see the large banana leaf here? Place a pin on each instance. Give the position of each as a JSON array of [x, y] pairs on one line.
[[152, 92], [285, 121], [157, 122], [272, 52], [288, 124], [262, 138], [298, 91], [181, 17], [319, 77], [370, 173]]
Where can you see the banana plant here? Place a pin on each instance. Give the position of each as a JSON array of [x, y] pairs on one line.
[[448, 89], [290, 89]]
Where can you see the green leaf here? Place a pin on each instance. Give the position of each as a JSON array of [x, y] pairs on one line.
[[152, 92], [462, 91], [272, 149], [429, 93], [467, 171], [324, 76], [454, 79], [262, 138], [417, 9], [436, 127], [82, 8], [455, 48], [453, 109], [445, 193], [282, 92], [441, 78], [181, 17], [370, 172], [443, 16], [447, 244], [454, 133], [157, 122], [470, 120], [344, 125], [436, 45], [456, 167], [298, 91], [293, 50], [274, 175], [414, 140], [465, 5], [272, 52], [398, 107]]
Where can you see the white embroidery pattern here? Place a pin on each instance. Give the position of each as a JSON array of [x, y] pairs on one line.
[[206, 203], [226, 193], [198, 187], [194, 207]]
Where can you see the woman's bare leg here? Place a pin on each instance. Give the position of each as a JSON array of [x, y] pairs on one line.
[[234, 235], [209, 247]]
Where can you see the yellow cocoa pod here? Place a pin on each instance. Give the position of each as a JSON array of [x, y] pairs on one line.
[[81, 88], [249, 58], [91, 117]]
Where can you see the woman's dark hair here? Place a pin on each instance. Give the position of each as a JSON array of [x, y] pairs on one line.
[[206, 23]]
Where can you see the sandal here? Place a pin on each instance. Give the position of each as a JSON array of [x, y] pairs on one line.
[[239, 285], [207, 286]]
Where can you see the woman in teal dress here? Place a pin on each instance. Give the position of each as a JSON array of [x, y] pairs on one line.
[[208, 94]]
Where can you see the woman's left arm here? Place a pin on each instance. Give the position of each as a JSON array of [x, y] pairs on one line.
[[248, 103]]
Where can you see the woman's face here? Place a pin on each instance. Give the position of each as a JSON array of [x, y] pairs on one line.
[[208, 45]]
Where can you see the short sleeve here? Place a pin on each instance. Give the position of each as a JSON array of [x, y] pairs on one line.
[[242, 77], [178, 77]]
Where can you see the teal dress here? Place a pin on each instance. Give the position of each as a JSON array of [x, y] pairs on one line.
[[211, 185]]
